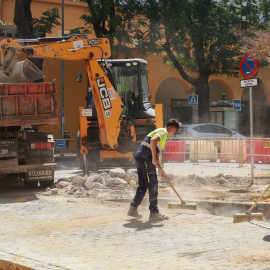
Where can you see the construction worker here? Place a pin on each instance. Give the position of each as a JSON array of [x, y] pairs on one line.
[[147, 157], [124, 93]]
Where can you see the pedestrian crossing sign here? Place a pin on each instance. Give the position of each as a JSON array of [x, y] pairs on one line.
[[193, 100], [237, 104]]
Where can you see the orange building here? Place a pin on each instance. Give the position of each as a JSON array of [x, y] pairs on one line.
[[166, 85]]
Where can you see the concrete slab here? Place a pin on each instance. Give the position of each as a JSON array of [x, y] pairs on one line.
[[61, 233]]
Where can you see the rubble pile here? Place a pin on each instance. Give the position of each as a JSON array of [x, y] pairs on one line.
[[109, 184], [218, 180], [115, 184]]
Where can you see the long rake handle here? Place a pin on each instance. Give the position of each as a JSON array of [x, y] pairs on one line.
[[248, 212], [168, 181]]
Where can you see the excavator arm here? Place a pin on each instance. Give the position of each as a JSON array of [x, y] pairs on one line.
[[108, 103], [74, 48]]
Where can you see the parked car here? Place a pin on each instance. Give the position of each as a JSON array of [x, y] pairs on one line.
[[206, 130], [206, 149]]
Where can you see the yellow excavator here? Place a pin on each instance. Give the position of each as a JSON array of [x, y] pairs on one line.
[[118, 113]]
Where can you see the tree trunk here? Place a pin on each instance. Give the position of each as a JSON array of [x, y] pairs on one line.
[[23, 20], [202, 90], [201, 85]]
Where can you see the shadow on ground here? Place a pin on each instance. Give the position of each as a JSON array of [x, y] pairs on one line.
[[139, 225]]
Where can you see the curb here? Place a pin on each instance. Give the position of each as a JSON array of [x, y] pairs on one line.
[[217, 208], [6, 265], [228, 209]]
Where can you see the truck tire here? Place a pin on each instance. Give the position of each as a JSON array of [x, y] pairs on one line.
[[32, 184], [45, 184], [3, 176]]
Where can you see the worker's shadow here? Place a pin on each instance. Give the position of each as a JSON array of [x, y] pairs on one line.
[[139, 225], [266, 238]]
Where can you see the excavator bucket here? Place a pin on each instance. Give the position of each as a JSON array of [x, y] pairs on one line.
[[24, 71]]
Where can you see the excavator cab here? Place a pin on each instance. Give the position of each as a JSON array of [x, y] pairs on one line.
[[131, 84], [129, 77]]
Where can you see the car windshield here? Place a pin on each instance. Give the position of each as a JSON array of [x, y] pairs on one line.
[[126, 79], [221, 130], [144, 82], [127, 86], [212, 129], [204, 129]]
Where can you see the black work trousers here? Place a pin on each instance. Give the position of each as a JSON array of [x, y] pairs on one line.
[[147, 179]]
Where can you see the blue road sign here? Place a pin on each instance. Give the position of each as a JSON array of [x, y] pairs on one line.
[[193, 100], [59, 143], [237, 104]]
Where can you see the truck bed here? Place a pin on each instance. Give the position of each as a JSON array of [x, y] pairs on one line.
[[24, 104]]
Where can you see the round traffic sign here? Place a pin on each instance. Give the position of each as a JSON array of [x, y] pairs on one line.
[[249, 66]]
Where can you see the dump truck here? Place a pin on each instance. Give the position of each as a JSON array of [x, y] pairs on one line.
[[25, 151], [118, 113]]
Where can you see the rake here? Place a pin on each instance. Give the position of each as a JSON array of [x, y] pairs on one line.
[[183, 204], [248, 216]]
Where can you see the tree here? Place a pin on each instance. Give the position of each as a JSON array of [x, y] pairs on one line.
[[47, 21], [26, 23], [199, 37], [112, 19]]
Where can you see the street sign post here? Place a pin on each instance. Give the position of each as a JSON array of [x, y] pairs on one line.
[[249, 68], [193, 100]]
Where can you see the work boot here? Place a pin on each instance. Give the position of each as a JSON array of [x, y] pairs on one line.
[[133, 212], [156, 216]]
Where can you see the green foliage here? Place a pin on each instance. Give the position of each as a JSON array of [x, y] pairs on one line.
[[112, 19], [201, 38], [200, 33], [47, 21], [81, 30]]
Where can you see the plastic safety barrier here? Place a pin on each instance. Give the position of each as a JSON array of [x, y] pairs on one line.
[[174, 151], [212, 149], [233, 150], [203, 150], [261, 151]]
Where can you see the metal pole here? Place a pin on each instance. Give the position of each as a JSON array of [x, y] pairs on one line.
[[62, 82], [251, 137]]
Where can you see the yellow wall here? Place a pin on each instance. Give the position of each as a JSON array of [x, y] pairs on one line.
[[158, 71], [74, 92], [72, 12]]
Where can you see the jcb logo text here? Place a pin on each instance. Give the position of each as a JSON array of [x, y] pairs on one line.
[[104, 93]]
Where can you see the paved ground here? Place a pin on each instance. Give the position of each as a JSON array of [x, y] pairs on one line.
[[59, 232]]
